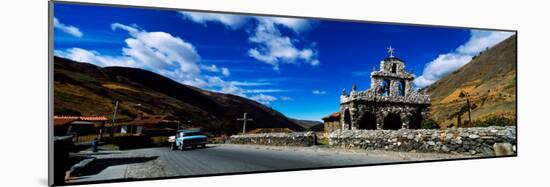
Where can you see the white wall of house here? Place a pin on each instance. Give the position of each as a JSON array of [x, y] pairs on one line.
[[131, 129], [124, 129]]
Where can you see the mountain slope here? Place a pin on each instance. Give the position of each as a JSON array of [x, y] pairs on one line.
[[308, 124], [490, 81], [86, 89]]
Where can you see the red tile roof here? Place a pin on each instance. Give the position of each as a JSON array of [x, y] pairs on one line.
[[63, 120], [65, 117], [333, 115], [93, 118]]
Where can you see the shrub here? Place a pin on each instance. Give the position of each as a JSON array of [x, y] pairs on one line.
[[429, 123], [159, 140], [495, 121], [322, 141]]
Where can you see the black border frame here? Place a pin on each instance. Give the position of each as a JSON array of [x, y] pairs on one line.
[[51, 95]]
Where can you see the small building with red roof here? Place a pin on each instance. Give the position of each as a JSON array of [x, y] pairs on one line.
[[149, 124], [78, 125], [332, 122]]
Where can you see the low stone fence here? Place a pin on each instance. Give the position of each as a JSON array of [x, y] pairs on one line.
[[477, 140], [277, 139]]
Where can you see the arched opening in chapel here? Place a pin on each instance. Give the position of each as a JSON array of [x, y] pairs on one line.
[[347, 119], [392, 122], [401, 90], [367, 121], [415, 121], [385, 87]]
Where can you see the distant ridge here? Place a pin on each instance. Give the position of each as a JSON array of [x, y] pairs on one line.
[[309, 124], [86, 89]]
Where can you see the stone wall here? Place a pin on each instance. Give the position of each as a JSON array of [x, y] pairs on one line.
[[331, 126], [475, 141], [277, 139]]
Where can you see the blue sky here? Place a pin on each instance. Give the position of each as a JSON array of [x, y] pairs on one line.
[[297, 66]]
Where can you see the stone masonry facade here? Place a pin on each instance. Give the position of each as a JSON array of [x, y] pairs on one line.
[[476, 140], [390, 103], [276, 139]]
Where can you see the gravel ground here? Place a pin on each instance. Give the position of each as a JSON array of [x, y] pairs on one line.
[[150, 169]]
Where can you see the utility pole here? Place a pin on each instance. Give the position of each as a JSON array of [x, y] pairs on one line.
[[244, 119], [462, 95], [137, 107], [114, 120], [187, 124], [469, 112], [182, 125]]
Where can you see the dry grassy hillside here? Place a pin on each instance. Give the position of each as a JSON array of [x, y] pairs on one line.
[[489, 80], [86, 89]]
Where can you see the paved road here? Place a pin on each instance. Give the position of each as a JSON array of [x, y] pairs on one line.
[[234, 158], [215, 159]]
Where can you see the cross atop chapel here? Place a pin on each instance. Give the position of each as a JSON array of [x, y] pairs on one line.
[[391, 50]]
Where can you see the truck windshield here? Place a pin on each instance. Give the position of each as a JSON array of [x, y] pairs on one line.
[[192, 134]]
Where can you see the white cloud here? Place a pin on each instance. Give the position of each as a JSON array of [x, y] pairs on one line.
[[225, 71], [220, 85], [69, 29], [314, 62], [273, 48], [441, 66], [449, 62], [83, 55], [263, 98], [230, 21], [319, 92], [237, 21], [211, 68], [159, 52], [169, 56], [266, 90], [286, 98], [480, 40], [295, 24], [238, 83]]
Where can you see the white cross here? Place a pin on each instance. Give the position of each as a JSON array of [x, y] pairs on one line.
[[391, 50], [244, 119]]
